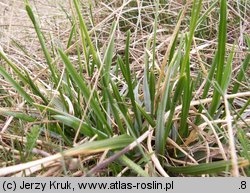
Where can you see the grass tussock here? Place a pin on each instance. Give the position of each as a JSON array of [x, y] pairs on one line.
[[125, 88]]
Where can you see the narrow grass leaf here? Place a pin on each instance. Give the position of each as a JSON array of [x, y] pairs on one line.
[[42, 42], [71, 35], [177, 94], [74, 123], [207, 85], [85, 91], [204, 168], [129, 81], [133, 166], [35, 89], [243, 70], [19, 89], [15, 68], [32, 137], [85, 35], [221, 55], [101, 145], [245, 144], [185, 67], [160, 121], [227, 72], [17, 115], [147, 97], [145, 114]]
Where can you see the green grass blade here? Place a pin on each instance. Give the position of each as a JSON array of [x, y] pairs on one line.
[[42, 43], [245, 144], [129, 82], [85, 35], [70, 120], [35, 89], [193, 23], [13, 66], [116, 115], [19, 89], [160, 121], [152, 89], [240, 76], [221, 55], [148, 117], [146, 87], [32, 137], [126, 73], [101, 145], [242, 72], [107, 99], [185, 67], [85, 91], [121, 104], [71, 35], [133, 166], [177, 94], [108, 56], [207, 84], [25, 79], [114, 110], [204, 168], [243, 109], [75, 123], [208, 11], [17, 115]]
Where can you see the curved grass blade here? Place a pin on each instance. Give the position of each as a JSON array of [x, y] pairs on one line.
[[17, 115], [85, 35], [127, 75], [71, 121], [206, 168], [71, 35], [121, 107], [13, 66], [26, 79], [85, 90], [19, 89], [101, 145], [149, 119], [42, 42], [35, 89], [115, 111], [74, 122], [133, 166]]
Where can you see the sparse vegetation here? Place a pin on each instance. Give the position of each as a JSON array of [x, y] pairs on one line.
[[125, 88]]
